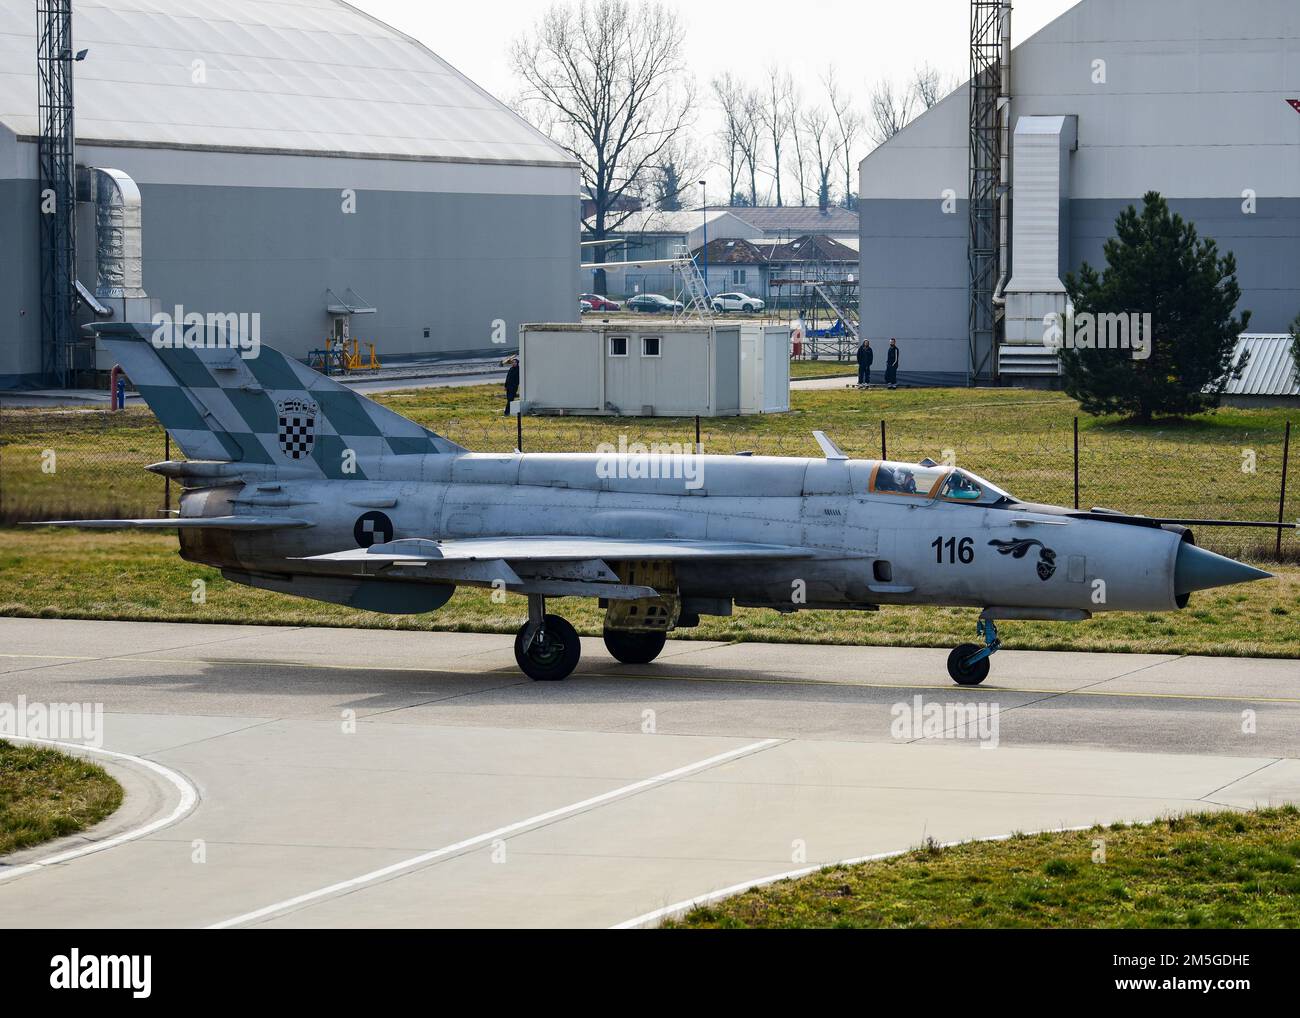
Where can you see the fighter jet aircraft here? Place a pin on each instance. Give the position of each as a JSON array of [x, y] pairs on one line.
[[294, 483]]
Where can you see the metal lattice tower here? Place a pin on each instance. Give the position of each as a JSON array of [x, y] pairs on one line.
[[986, 41], [58, 201]]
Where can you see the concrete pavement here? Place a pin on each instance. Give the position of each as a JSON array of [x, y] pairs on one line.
[[371, 778]]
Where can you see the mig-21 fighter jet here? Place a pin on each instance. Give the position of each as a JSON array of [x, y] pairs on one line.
[[294, 483]]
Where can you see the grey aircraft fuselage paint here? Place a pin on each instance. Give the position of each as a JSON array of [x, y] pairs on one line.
[[820, 505]]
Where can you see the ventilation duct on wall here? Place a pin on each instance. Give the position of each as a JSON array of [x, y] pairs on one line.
[[119, 246], [1040, 243]]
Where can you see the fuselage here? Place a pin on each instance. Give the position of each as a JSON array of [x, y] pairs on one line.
[[869, 547]]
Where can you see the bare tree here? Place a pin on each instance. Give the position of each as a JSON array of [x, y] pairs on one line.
[[751, 139], [794, 113], [848, 127], [730, 96], [776, 115], [677, 172], [891, 109], [823, 148], [929, 86], [607, 79]]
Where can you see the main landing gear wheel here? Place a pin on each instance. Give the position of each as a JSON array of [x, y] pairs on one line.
[[965, 674], [634, 648], [553, 651]]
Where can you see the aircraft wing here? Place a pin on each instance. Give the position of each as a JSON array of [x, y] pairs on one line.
[[644, 264], [189, 523], [563, 549], [557, 566]]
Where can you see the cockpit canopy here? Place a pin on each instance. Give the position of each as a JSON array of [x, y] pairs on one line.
[[912, 480]]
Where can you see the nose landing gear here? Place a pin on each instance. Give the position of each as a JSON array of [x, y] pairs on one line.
[[546, 647], [969, 664]]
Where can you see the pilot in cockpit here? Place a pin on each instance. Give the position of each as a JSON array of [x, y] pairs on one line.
[[960, 486], [896, 479]]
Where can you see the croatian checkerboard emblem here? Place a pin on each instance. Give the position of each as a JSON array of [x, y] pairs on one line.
[[372, 528], [297, 428]]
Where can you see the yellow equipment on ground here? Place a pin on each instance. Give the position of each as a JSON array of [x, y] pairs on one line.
[[353, 361]]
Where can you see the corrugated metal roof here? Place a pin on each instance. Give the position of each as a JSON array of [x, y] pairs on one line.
[[1270, 370], [313, 76]]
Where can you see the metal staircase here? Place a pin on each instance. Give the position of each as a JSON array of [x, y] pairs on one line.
[[695, 291]]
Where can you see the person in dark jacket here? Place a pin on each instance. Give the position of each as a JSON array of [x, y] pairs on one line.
[[865, 357], [512, 384], [891, 365]]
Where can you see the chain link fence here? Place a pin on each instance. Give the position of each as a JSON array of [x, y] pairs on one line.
[[77, 463]]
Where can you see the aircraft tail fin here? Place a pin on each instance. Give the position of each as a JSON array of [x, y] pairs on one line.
[[254, 405]]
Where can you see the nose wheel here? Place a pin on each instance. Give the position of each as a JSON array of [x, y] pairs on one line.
[[547, 647], [969, 664]]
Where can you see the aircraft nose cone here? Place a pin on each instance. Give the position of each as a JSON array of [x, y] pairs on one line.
[[1198, 569]]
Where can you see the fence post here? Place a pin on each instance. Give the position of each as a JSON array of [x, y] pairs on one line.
[[519, 430], [167, 481], [699, 449], [884, 449], [1281, 502], [1076, 462]]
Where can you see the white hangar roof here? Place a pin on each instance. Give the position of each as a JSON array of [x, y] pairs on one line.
[[314, 77]]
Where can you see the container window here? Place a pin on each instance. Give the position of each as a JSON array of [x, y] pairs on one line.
[[650, 346], [618, 346]]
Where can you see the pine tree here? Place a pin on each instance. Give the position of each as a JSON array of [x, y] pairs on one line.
[[1156, 264]]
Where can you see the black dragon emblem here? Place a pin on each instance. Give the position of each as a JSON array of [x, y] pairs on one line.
[[1019, 549]]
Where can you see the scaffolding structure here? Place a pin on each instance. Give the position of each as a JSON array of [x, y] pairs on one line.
[[58, 199], [823, 303], [989, 37]]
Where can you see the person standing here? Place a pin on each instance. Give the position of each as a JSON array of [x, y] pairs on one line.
[[865, 357], [512, 384], [891, 365]]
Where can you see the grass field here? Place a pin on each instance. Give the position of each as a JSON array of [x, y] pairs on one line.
[[823, 369], [46, 794], [1215, 870], [130, 576]]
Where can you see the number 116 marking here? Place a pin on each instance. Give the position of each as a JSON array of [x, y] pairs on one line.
[[962, 551]]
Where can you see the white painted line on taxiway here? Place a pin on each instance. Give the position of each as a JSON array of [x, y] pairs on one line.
[[189, 797], [404, 865]]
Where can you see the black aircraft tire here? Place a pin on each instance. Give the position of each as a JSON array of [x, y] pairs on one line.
[[634, 648], [964, 674], [553, 655]]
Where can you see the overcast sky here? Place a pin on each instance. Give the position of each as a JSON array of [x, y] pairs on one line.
[[864, 40]]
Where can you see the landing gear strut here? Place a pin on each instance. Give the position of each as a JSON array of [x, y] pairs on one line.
[[969, 664], [546, 647]]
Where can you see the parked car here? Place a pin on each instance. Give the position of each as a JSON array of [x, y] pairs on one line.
[[724, 302], [599, 303], [584, 306], [653, 303]]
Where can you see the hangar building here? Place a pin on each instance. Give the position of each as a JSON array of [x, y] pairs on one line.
[[1196, 99], [296, 159]]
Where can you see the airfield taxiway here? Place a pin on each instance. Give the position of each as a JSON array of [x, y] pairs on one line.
[[330, 777]]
